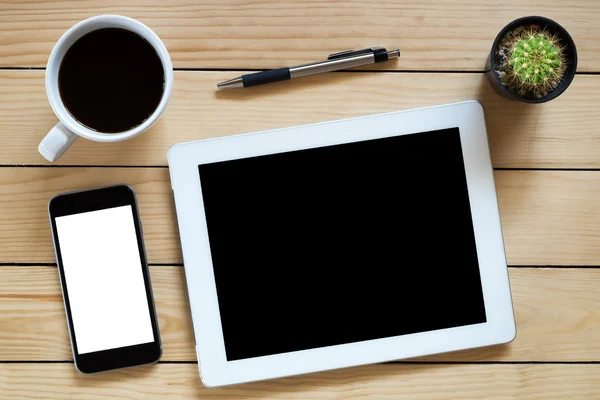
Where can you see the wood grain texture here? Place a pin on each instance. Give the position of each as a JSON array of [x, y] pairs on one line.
[[561, 134], [375, 382], [24, 196], [33, 323], [557, 313], [548, 218], [433, 35]]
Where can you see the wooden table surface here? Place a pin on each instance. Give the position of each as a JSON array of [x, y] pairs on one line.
[[547, 161]]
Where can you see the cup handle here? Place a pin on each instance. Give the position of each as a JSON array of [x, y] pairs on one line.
[[56, 142]]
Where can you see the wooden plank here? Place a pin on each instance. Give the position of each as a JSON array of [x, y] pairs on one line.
[[433, 35], [33, 325], [549, 218], [557, 313], [376, 382], [559, 134], [24, 196]]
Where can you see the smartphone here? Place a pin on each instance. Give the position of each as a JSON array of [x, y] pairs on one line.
[[105, 279]]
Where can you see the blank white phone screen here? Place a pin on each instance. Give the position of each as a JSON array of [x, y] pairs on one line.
[[104, 279]]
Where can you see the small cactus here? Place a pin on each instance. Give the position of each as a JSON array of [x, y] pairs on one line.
[[535, 62]]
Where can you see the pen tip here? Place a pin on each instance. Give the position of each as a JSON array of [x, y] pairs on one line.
[[232, 83]]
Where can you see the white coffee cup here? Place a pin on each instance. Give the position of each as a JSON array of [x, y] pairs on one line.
[[64, 134]]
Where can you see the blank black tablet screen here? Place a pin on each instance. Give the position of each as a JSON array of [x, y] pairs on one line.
[[342, 244]]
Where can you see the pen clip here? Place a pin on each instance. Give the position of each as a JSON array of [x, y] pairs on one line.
[[351, 53]]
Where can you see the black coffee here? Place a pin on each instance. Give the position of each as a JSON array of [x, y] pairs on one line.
[[111, 80]]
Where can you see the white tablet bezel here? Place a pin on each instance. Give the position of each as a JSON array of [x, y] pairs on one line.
[[184, 159]]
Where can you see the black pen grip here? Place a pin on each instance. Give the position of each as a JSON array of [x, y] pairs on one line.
[[272, 75]]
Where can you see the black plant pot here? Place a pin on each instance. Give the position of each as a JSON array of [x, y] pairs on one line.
[[570, 57]]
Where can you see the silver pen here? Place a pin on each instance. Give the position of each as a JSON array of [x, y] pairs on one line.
[[335, 62]]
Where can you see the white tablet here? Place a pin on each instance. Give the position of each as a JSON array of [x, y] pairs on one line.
[[341, 243]]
